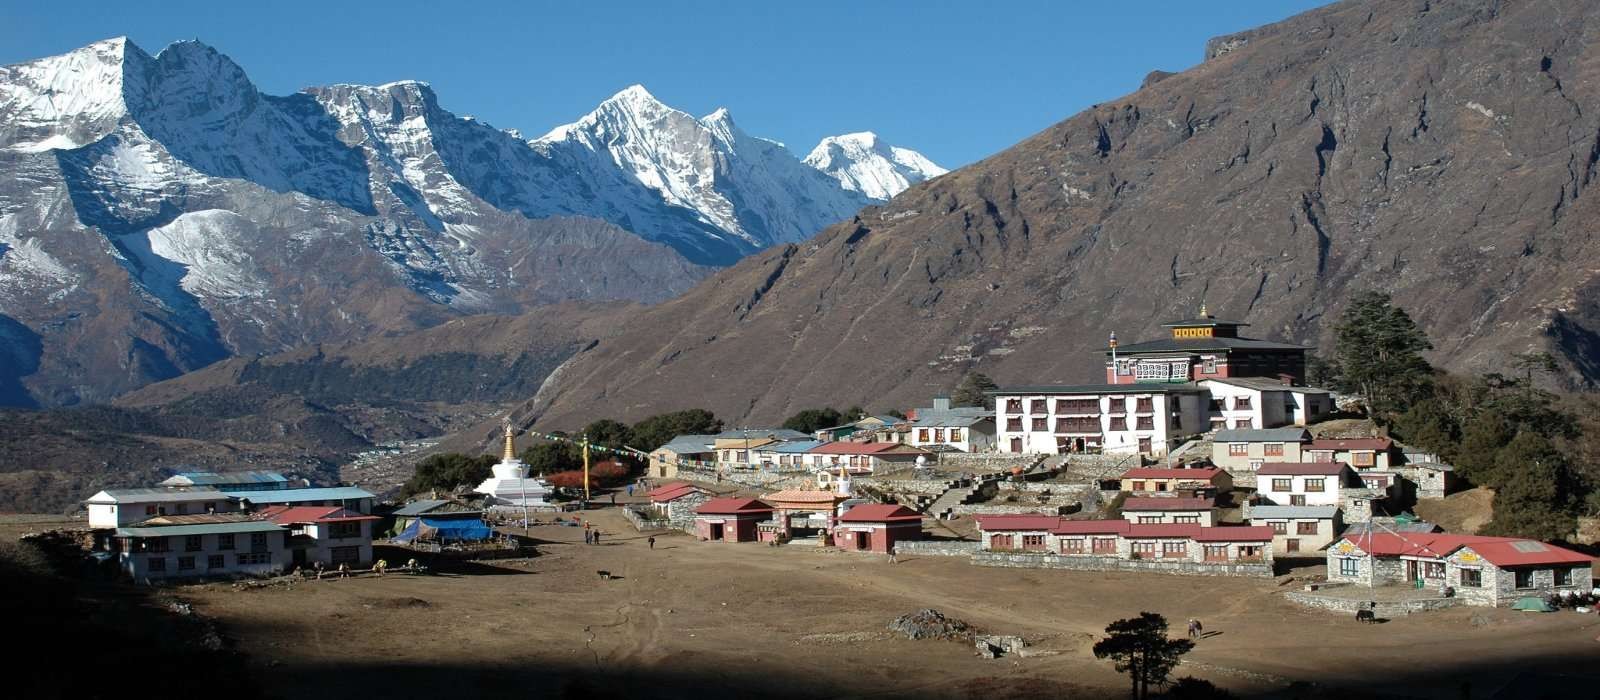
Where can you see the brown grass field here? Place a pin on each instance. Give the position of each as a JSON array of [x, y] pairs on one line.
[[697, 619]]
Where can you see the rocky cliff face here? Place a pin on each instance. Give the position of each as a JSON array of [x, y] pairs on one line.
[[1441, 152]]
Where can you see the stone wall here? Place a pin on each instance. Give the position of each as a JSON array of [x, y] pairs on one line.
[[937, 548], [643, 518], [680, 511], [919, 487], [1349, 606], [1005, 509], [1046, 560], [983, 461]]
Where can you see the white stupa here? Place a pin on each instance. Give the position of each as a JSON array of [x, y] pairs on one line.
[[510, 485]]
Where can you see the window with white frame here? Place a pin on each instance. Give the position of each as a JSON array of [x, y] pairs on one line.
[[1349, 566], [1152, 370]]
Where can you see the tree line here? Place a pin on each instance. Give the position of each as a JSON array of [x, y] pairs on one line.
[[1536, 449]]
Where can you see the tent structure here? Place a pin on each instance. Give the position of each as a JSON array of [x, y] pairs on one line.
[[446, 531], [1532, 604]]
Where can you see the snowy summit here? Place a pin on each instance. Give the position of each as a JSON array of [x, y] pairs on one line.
[[862, 162]]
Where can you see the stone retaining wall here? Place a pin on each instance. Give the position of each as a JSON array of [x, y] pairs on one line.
[[1046, 560], [641, 519], [1385, 608], [984, 461], [937, 548], [1004, 509], [920, 487]]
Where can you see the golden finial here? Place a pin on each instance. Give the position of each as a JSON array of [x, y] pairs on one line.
[[1203, 313], [511, 449]]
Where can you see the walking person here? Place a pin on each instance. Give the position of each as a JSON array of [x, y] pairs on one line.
[[652, 541], [597, 537], [1194, 628], [588, 537], [893, 557], [630, 490]]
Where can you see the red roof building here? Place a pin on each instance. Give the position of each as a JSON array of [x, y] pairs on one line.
[[730, 519], [672, 492], [876, 527], [1490, 571], [1164, 504], [1301, 469], [1208, 480]]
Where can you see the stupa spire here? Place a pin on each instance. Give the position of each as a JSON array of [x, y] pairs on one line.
[[511, 448]]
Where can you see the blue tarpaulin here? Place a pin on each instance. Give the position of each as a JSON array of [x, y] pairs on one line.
[[462, 530]]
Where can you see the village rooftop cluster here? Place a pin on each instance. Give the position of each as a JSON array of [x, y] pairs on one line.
[[1195, 453]]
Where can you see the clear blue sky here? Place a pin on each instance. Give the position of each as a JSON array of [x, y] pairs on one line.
[[955, 80]]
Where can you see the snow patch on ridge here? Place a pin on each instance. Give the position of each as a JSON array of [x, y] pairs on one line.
[[212, 246]]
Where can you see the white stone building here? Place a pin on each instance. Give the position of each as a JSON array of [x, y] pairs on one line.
[[1486, 571], [1303, 483], [1169, 510], [1108, 418], [119, 507], [199, 546], [1297, 530], [1240, 403]]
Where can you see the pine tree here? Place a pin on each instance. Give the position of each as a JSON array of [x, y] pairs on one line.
[[970, 392], [1533, 497], [1379, 353], [660, 429], [1141, 649]]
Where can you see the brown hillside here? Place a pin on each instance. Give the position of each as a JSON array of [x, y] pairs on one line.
[[1439, 151]]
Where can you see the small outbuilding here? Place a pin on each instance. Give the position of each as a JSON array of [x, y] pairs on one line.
[[876, 527], [730, 519]]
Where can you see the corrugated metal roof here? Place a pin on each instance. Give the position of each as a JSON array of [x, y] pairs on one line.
[[1159, 503], [156, 495], [1265, 384], [1287, 512], [879, 512], [1184, 388], [206, 529], [330, 493], [216, 478], [790, 446], [1195, 474], [1267, 435], [1351, 444], [1012, 523], [1301, 469], [941, 421], [689, 444], [419, 507], [733, 506]]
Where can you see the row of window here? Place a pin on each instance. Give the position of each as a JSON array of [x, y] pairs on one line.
[[214, 561], [1178, 519], [1318, 485], [1303, 527], [1242, 449], [1085, 425], [930, 435], [225, 542], [1469, 577], [1039, 407], [1108, 546]]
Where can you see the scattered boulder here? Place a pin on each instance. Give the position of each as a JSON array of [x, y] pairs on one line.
[[930, 624]]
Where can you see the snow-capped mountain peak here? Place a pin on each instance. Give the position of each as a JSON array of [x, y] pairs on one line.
[[862, 162]]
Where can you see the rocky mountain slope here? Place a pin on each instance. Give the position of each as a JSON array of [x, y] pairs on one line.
[[159, 213], [1439, 151], [864, 163], [305, 411]]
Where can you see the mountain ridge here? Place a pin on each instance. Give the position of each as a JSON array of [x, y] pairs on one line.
[[1288, 171], [166, 206]]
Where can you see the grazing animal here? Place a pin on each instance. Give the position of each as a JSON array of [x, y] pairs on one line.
[[1366, 616], [604, 575]]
